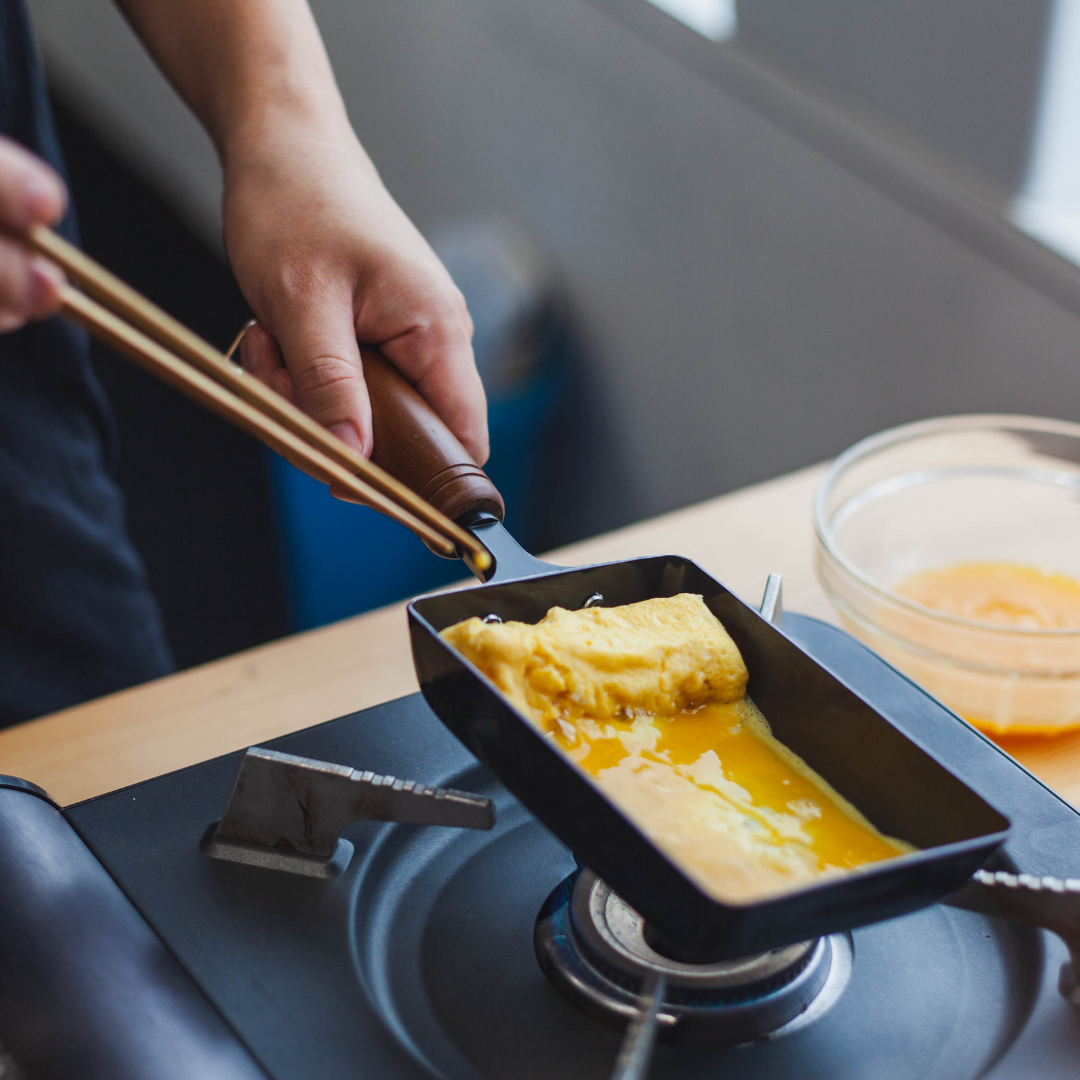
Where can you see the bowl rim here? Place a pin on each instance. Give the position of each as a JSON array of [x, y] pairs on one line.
[[911, 432]]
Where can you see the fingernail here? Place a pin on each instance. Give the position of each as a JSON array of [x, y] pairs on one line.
[[46, 278], [347, 434]]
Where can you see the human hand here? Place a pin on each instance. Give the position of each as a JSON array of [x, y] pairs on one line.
[[30, 194], [326, 257]]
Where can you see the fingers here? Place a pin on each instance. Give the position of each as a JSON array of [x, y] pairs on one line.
[[436, 356], [261, 357], [322, 363], [29, 286], [448, 381], [317, 367], [30, 192]]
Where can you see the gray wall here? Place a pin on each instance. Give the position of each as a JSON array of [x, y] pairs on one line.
[[965, 73], [749, 304], [105, 74]]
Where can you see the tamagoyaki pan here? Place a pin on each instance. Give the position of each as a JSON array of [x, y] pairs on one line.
[[858, 747]]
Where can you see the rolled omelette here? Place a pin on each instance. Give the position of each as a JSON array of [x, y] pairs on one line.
[[649, 699]]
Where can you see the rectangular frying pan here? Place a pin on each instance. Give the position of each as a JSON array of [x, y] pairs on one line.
[[897, 784]]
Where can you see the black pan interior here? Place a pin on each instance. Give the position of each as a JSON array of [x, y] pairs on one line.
[[896, 783]]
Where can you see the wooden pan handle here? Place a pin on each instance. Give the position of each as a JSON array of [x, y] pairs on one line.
[[414, 446]]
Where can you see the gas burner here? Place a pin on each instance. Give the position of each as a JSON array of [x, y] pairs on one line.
[[593, 947], [418, 958]]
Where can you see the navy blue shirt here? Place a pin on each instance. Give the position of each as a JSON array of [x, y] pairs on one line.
[[76, 616]]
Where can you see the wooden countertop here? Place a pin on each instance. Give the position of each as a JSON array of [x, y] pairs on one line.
[[316, 676]]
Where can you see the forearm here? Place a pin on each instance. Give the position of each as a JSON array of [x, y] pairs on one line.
[[247, 68]]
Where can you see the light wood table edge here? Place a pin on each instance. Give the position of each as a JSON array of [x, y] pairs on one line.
[[312, 677]]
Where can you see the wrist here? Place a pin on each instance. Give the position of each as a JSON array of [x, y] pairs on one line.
[[278, 126]]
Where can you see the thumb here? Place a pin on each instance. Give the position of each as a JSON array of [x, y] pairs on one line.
[[320, 352]]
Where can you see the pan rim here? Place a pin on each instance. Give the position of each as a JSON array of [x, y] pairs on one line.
[[987, 842]]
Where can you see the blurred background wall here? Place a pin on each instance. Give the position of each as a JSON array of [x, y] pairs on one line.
[[770, 240]]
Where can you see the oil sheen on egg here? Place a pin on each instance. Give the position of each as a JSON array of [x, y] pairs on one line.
[[721, 796]]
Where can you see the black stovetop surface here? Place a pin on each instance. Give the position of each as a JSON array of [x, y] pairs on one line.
[[418, 960]]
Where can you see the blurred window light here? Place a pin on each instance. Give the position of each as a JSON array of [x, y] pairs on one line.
[[714, 19], [1048, 206], [1054, 168]]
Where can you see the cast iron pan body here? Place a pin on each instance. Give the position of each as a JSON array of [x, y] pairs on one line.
[[897, 783]]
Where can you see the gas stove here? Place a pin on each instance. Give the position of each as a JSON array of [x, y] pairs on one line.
[[468, 953]]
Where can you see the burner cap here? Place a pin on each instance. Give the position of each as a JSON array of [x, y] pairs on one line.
[[592, 946]]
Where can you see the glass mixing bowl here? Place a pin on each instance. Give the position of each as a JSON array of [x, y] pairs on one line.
[[962, 489]]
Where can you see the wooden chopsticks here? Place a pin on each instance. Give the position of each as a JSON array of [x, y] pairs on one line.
[[127, 321]]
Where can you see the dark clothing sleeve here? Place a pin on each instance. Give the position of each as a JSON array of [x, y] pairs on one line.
[[77, 618]]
